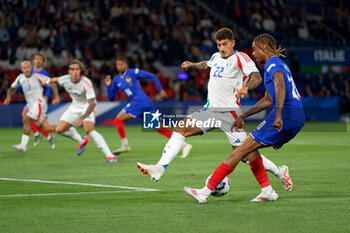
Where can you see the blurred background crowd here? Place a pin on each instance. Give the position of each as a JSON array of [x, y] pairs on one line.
[[157, 36]]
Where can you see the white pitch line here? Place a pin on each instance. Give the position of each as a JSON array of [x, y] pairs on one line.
[[82, 184], [61, 194]]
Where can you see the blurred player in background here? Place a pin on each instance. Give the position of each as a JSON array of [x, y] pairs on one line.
[[229, 71], [81, 111], [38, 62], [32, 87], [128, 81], [281, 125]]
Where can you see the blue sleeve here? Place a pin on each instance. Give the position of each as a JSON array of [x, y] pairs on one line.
[[47, 91], [274, 69], [19, 88], [144, 74], [112, 90]]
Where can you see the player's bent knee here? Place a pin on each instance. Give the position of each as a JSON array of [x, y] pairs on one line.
[[117, 121], [59, 130]]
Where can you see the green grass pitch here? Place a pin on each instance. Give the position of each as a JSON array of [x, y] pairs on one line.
[[319, 165]]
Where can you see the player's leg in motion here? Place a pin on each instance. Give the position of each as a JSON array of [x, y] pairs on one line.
[[119, 125], [281, 172], [66, 129], [33, 126], [25, 136], [100, 142], [45, 128], [36, 129], [248, 148], [186, 147], [170, 151]]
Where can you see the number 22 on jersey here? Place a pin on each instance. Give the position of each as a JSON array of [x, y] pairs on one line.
[[218, 71]]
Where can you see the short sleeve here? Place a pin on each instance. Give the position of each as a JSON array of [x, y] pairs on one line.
[[43, 79], [246, 64], [62, 80], [16, 83], [89, 89], [212, 59], [273, 68]]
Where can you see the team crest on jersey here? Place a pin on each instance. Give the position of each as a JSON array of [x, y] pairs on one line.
[[128, 79]]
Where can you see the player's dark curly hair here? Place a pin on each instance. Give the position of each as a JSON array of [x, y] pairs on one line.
[[224, 33], [270, 44], [83, 68], [124, 59]]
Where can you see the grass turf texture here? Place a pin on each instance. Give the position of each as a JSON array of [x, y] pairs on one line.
[[319, 164]]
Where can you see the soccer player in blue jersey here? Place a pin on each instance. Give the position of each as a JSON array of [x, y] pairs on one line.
[[128, 81], [281, 125], [38, 67]]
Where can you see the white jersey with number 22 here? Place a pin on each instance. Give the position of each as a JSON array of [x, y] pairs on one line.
[[227, 76]]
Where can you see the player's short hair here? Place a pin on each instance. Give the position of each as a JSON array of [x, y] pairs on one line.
[[26, 61], [40, 54], [124, 59], [224, 33], [270, 44], [83, 68]]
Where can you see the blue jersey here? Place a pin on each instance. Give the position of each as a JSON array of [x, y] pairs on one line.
[[292, 112], [130, 85], [292, 108], [47, 88]]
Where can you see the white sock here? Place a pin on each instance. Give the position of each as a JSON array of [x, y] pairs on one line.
[[267, 189], [184, 144], [206, 191], [171, 149], [100, 143], [24, 141], [36, 134], [125, 141], [270, 166], [49, 137], [73, 134]]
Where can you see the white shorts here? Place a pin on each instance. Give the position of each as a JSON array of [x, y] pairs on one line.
[[37, 112], [224, 121], [73, 113]]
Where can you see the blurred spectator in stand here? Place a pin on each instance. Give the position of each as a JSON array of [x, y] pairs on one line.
[[320, 86], [295, 67], [3, 84], [4, 34], [3, 54], [21, 52], [23, 31], [268, 24], [191, 92], [48, 54]]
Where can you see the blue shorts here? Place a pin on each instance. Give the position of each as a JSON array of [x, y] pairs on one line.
[[266, 134], [136, 107]]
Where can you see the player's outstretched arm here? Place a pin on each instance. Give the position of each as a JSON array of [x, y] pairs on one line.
[[53, 80], [262, 104], [280, 90], [254, 81], [10, 93], [56, 98], [199, 65]]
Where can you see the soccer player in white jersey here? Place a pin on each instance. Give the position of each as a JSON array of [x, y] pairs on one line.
[[81, 111], [32, 86], [230, 70], [38, 67]]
